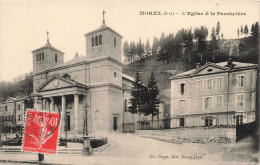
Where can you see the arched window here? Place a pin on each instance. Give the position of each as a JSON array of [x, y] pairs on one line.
[[42, 56], [96, 41], [92, 41], [56, 58], [114, 41], [100, 39], [125, 105]]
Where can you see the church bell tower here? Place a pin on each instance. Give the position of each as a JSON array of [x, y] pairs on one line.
[[46, 57], [103, 41]]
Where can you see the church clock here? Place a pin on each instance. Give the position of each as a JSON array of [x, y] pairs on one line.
[[56, 83]]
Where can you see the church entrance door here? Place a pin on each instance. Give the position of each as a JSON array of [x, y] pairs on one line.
[[115, 123]]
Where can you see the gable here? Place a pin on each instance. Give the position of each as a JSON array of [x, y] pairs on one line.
[[8, 100], [209, 70], [55, 83]]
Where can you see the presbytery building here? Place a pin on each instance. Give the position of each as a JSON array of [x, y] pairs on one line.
[[89, 91], [214, 94]]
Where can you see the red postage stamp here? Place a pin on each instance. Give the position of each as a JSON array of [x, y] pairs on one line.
[[41, 132]]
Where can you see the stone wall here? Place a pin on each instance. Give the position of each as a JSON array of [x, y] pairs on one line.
[[197, 133]]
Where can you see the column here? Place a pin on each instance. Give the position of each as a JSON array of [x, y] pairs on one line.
[[63, 111], [52, 105], [76, 111], [48, 105]]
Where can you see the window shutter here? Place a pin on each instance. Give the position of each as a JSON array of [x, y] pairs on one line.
[[245, 81], [236, 101], [216, 83], [202, 85], [234, 119], [214, 121], [179, 88]]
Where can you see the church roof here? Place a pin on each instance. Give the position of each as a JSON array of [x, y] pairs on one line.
[[127, 77], [47, 45], [75, 60], [102, 28]]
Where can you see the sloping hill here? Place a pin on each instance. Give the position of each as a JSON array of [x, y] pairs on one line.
[[161, 71]]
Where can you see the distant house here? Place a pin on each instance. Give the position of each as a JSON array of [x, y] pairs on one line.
[[12, 110], [214, 94]]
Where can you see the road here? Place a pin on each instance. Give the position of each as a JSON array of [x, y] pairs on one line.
[[132, 149], [133, 146]]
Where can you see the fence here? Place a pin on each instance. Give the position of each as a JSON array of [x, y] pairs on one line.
[[128, 127], [244, 130]]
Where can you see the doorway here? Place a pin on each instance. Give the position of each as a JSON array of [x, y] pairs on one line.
[[182, 122], [115, 123]]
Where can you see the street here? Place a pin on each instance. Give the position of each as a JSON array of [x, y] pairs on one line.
[[133, 149]]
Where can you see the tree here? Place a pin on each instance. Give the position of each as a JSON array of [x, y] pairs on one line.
[[213, 43], [147, 50], [153, 98], [218, 30], [238, 33], [155, 46], [188, 43], [140, 50], [137, 94], [246, 30], [241, 30], [252, 30], [162, 54], [126, 51], [161, 39], [200, 34], [133, 51]]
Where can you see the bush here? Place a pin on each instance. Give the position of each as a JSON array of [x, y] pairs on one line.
[[95, 143], [17, 141]]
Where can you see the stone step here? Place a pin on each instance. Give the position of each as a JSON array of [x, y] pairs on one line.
[[72, 151]]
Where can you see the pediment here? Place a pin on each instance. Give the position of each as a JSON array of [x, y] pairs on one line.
[[8, 100], [58, 83], [209, 69]]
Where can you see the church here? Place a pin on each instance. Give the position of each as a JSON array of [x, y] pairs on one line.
[[90, 92]]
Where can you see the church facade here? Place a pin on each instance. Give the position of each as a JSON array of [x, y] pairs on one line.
[[89, 91]]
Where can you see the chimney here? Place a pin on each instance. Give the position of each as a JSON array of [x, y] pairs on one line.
[[229, 62], [197, 65]]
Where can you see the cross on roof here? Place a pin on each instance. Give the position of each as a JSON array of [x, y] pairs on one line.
[[103, 17], [47, 36]]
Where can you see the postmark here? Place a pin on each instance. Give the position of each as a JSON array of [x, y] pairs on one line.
[[41, 132]]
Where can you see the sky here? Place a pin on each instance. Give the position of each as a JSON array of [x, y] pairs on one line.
[[23, 24]]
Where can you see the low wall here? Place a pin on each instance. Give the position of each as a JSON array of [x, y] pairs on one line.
[[7, 136], [195, 133]]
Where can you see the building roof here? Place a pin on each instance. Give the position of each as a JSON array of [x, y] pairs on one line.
[[127, 77], [15, 99], [75, 60], [103, 27], [47, 45], [222, 65]]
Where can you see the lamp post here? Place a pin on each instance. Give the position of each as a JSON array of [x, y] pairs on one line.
[[87, 150], [85, 128]]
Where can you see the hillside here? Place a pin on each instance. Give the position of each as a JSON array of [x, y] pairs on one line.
[[161, 71]]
